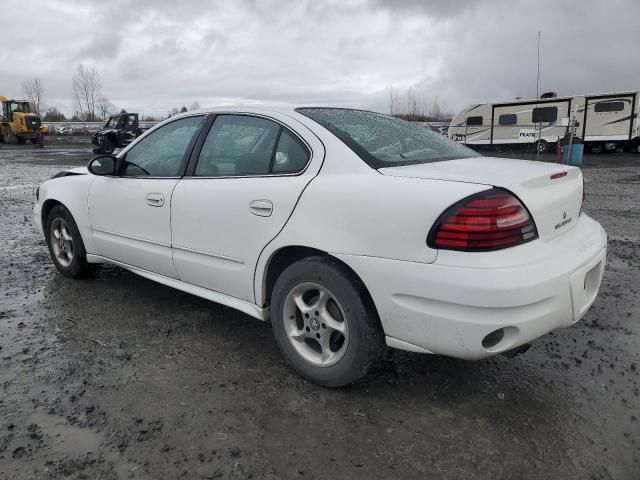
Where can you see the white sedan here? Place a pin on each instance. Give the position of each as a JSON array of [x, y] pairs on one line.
[[348, 229]]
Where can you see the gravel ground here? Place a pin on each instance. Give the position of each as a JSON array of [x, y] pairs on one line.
[[118, 377]]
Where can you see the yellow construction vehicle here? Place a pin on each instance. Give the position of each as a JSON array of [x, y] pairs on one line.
[[17, 122]]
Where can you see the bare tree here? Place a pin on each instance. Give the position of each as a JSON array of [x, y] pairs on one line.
[[194, 106], [105, 107], [434, 109], [393, 101], [87, 91], [34, 92], [412, 104], [53, 115]]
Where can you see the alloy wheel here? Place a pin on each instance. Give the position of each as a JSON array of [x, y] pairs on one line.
[[62, 242], [315, 324]]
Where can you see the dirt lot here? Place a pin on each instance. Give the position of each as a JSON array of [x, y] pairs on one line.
[[118, 377]]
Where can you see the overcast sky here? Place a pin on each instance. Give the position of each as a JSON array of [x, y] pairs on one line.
[[155, 55]]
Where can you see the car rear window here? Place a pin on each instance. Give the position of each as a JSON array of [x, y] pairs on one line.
[[385, 141]]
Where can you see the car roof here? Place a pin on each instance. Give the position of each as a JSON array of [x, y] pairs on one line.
[[247, 108], [267, 108]]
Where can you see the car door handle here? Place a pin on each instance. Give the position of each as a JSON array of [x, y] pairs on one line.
[[262, 208], [155, 199]]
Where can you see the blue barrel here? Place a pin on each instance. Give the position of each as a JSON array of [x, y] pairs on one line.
[[577, 150]]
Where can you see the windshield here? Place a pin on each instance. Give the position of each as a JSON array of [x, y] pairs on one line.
[[112, 122], [385, 141], [20, 107]]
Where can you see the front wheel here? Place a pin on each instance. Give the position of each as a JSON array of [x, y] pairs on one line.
[[9, 138], [596, 148], [109, 146], [65, 244], [324, 322]]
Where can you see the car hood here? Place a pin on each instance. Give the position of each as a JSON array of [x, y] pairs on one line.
[[104, 131], [72, 171]]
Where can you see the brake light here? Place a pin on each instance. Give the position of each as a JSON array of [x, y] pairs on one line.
[[489, 220]]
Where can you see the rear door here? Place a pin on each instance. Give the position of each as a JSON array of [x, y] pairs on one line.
[[608, 117], [249, 174], [130, 213]]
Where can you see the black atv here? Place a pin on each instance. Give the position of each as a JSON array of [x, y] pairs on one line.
[[119, 131]]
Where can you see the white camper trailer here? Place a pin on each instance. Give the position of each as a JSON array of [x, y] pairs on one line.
[[602, 122]]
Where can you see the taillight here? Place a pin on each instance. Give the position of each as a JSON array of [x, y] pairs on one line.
[[583, 197], [488, 220]]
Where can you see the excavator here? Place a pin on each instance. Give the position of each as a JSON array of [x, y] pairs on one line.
[[18, 123]]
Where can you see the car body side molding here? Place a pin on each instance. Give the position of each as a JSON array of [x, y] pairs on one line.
[[233, 302]]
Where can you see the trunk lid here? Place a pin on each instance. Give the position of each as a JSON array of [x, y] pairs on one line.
[[554, 203]]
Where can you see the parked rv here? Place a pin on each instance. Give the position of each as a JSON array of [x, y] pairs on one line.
[[603, 122], [438, 127]]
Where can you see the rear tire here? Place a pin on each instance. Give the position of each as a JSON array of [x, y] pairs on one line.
[[65, 244], [542, 146], [325, 323]]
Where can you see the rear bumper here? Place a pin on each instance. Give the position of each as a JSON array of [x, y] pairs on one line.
[[449, 309]]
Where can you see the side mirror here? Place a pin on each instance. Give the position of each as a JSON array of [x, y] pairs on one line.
[[103, 165]]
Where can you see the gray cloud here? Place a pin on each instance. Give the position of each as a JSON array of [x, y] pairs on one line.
[[433, 8], [155, 55]]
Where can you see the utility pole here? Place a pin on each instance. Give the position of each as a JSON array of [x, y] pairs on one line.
[[537, 98]]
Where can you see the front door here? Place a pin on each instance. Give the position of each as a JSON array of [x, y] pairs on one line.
[[249, 175], [130, 213]]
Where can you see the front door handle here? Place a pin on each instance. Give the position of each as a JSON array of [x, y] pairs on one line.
[[155, 199], [262, 208]]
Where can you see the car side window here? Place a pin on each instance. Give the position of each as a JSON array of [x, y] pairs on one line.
[[160, 154], [291, 155], [237, 145], [242, 145]]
